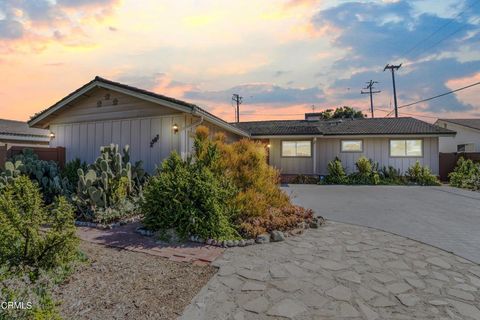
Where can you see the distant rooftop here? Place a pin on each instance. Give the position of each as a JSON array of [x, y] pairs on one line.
[[366, 126], [21, 129], [473, 123]]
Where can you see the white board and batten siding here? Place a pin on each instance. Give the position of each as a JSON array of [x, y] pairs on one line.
[[83, 140], [377, 149], [121, 119], [85, 126]]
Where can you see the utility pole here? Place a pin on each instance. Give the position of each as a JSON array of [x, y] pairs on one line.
[[238, 99], [393, 68], [371, 92]]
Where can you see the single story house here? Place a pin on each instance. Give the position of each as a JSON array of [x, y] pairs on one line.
[[307, 146], [103, 112], [467, 138], [18, 133]]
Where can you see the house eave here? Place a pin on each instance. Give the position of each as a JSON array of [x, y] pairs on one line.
[[332, 136], [37, 120]]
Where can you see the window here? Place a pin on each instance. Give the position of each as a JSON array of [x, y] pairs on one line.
[[467, 147], [406, 148], [296, 148], [351, 145]]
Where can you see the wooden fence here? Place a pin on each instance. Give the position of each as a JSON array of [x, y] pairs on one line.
[[55, 154], [448, 161]]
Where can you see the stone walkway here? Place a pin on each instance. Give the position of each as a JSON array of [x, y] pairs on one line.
[[125, 237], [340, 271]]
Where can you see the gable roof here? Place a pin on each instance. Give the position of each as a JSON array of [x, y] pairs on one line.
[[367, 126], [469, 123], [137, 92], [13, 129]]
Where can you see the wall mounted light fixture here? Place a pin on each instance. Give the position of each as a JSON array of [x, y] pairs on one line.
[[52, 135], [175, 128]]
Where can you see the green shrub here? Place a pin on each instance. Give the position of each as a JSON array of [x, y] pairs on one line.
[[391, 175], [304, 179], [188, 196], [33, 236], [109, 189], [70, 170], [421, 175], [224, 191], [336, 172], [21, 288], [45, 173], [366, 172], [465, 175]]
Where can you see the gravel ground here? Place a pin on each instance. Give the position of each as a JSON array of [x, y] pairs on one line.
[[120, 284]]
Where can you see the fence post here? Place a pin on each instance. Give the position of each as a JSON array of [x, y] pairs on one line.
[[61, 156], [3, 156]]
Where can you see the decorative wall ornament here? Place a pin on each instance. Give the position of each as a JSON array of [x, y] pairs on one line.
[[154, 140], [99, 103], [115, 101], [107, 96]]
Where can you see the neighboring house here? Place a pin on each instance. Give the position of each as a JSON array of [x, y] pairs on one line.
[[103, 112], [18, 133], [467, 138], [306, 146]]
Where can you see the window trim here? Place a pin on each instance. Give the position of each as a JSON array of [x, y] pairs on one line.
[[281, 148], [349, 151], [405, 139]]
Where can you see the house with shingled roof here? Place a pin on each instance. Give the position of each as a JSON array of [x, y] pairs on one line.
[[103, 112]]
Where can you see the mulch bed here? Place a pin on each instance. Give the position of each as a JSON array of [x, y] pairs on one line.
[[121, 284]]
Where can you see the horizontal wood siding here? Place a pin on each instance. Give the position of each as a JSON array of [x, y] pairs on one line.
[[289, 165], [376, 149]]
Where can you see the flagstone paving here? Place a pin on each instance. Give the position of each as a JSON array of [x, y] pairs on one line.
[[340, 271]]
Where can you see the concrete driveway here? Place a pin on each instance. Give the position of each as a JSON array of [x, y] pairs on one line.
[[445, 217]]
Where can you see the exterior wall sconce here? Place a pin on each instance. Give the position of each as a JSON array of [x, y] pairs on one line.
[[175, 128], [52, 135], [268, 146]]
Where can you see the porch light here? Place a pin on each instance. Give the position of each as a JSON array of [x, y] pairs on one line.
[[175, 128], [52, 135], [268, 146]]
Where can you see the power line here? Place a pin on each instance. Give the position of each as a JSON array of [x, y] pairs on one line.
[[393, 68], [238, 99], [440, 95], [415, 46], [437, 96], [371, 92], [446, 37]]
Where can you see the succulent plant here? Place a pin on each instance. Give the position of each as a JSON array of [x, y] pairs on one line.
[[110, 183]]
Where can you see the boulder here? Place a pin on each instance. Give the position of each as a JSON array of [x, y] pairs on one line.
[[277, 236], [263, 238]]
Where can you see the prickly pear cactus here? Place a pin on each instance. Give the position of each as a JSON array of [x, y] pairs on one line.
[[110, 183], [45, 173]]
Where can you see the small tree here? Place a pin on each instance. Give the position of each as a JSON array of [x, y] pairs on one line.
[[341, 113], [33, 236]]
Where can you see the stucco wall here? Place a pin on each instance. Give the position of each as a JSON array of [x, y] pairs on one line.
[[329, 148], [464, 135]]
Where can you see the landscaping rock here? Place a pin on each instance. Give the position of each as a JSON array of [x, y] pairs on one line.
[[277, 236], [229, 243], [263, 238]]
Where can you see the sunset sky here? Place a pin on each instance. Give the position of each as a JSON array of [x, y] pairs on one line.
[[281, 56]]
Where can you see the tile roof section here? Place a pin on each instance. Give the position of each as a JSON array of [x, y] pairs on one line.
[[368, 126]]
